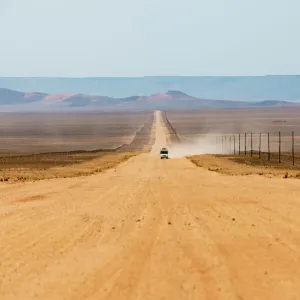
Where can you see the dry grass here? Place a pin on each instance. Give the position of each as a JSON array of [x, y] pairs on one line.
[[254, 160], [27, 167], [53, 132], [88, 131], [232, 165], [36, 168]]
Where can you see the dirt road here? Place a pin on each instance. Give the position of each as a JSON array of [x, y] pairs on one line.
[[151, 229]]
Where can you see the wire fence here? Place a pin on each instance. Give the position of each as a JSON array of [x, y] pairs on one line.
[[172, 131], [265, 146]]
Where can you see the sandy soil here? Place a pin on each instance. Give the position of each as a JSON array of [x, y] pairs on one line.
[[151, 229]]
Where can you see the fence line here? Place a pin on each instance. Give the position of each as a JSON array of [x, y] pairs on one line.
[[170, 127], [254, 144]]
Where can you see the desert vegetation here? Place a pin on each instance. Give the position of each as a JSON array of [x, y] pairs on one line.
[[43, 145]]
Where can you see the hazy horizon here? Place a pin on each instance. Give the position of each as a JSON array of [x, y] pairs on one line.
[[145, 76]]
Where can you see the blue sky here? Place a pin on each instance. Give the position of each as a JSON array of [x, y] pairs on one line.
[[78, 38]]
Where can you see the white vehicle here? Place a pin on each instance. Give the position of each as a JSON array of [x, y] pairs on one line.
[[164, 153]]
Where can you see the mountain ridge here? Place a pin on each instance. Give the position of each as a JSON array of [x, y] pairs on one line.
[[172, 99]]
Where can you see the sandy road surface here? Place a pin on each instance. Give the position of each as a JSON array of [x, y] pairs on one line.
[[151, 229]]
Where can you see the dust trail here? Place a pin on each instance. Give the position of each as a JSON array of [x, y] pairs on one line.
[[202, 145]]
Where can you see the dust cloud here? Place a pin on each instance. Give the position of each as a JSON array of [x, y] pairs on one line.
[[201, 145]]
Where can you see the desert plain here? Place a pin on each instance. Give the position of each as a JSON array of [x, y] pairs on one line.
[[140, 227]]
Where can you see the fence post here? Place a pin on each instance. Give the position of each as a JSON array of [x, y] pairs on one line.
[[279, 147], [230, 144], [245, 143], [234, 144], [251, 145], [293, 148], [239, 144], [259, 145], [222, 143], [269, 154]]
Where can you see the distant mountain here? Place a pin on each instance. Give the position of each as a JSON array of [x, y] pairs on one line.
[[92, 101], [18, 101], [272, 103], [13, 97], [177, 94], [237, 88]]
